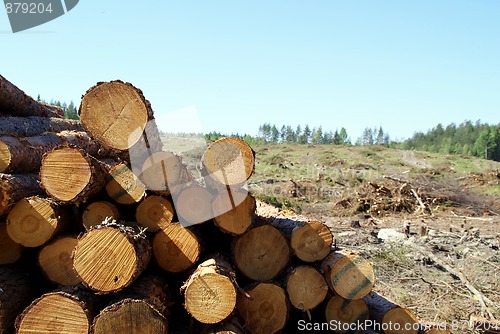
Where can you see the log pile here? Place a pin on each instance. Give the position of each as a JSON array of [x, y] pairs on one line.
[[125, 239]]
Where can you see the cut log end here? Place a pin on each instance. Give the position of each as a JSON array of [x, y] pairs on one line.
[[123, 186], [154, 213], [262, 253], [163, 172], [5, 156], [234, 211], [343, 313], [266, 310], [311, 242], [54, 313], [306, 288], [193, 205], [176, 248], [229, 161], [95, 213], [56, 262]]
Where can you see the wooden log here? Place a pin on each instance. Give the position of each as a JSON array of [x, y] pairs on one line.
[[142, 308], [123, 186], [16, 292], [210, 292], [14, 187], [234, 211], [56, 263], [111, 256], [388, 315], [306, 288], [33, 221], [30, 126], [10, 251], [346, 316], [154, 213], [13, 101], [115, 113], [264, 308], [310, 241], [348, 274], [228, 161], [68, 310], [70, 175], [176, 248], [262, 253], [96, 212], [193, 205], [232, 325]]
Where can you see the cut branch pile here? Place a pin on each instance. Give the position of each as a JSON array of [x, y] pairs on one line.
[[125, 239]]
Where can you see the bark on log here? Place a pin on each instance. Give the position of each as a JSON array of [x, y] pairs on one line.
[[389, 315], [234, 211], [33, 221], [346, 316], [14, 187], [30, 126], [310, 241], [176, 248], [154, 213], [264, 308], [193, 205], [228, 161], [56, 263], [210, 292], [67, 310], [10, 251], [123, 186], [306, 288], [142, 308], [13, 101], [16, 292], [96, 212], [348, 274], [70, 175], [111, 256], [262, 253], [115, 113]]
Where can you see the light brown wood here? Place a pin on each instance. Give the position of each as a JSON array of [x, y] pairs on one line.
[[35, 220], [143, 308], [64, 312], [193, 205], [262, 253], [14, 187], [10, 251], [123, 186], [390, 315], [13, 101], [111, 256], [56, 263], [95, 213], [228, 161], [154, 213], [264, 308], [29, 126], [115, 113], [348, 274], [176, 248], [234, 211], [210, 292], [310, 241], [346, 316], [306, 288], [70, 175], [163, 172]]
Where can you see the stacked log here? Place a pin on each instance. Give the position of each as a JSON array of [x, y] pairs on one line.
[[128, 240]]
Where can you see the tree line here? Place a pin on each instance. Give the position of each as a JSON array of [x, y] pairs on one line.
[[70, 110]]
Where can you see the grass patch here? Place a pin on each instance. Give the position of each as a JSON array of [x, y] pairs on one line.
[[281, 202]]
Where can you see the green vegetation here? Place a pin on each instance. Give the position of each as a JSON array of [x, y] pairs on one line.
[[70, 110]]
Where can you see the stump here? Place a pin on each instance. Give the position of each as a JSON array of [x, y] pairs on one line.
[[35, 220], [346, 316], [154, 213], [10, 251], [348, 274], [264, 308], [111, 256], [210, 292], [390, 315], [123, 186], [95, 213], [56, 263], [234, 211], [176, 248], [262, 253], [306, 288], [14, 187]]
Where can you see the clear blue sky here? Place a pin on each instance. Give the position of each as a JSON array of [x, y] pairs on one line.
[[405, 65]]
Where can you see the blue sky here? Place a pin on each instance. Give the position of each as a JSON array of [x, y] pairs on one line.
[[230, 66]]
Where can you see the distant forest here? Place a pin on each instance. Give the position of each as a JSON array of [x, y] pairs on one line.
[[70, 110]]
